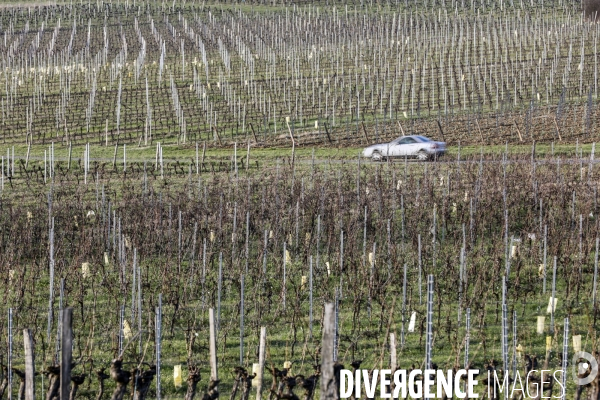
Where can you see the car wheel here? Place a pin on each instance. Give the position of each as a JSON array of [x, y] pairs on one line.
[[376, 156], [422, 155]]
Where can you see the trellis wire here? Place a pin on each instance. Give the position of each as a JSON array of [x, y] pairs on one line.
[[234, 232], [336, 338], [219, 287], [389, 250], [59, 321], [310, 288], [504, 332], [545, 253], [10, 349], [509, 256], [467, 337], [318, 240], [121, 325], [364, 258], [514, 333], [565, 356], [283, 288], [242, 320], [420, 267], [403, 307], [553, 297], [179, 240], [434, 231], [203, 272], [429, 342], [341, 259], [139, 295], [594, 287], [158, 344], [133, 286], [460, 282], [247, 255], [51, 251]]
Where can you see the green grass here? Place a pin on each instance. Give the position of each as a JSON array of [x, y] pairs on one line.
[[364, 341], [186, 154]]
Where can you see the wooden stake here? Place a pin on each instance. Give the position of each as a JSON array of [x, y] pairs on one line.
[[328, 389], [401, 130], [29, 365], [242, 320], [393, 361], [212, 344], [261, 362], [27, 157], [203, 153], [197, 171], [248, 157], [70, 154], [67, 349], [557, 130], [10, 347], [519, 131], [115, 155], [479, 130], [290, 131]]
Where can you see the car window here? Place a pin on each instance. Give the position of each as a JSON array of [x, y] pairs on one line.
[[407, 140], [424, 139]]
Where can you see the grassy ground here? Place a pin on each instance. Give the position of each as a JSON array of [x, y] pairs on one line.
[[187, 153], [365, 341]]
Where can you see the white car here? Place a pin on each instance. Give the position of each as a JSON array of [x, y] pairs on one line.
[[406, 146]]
